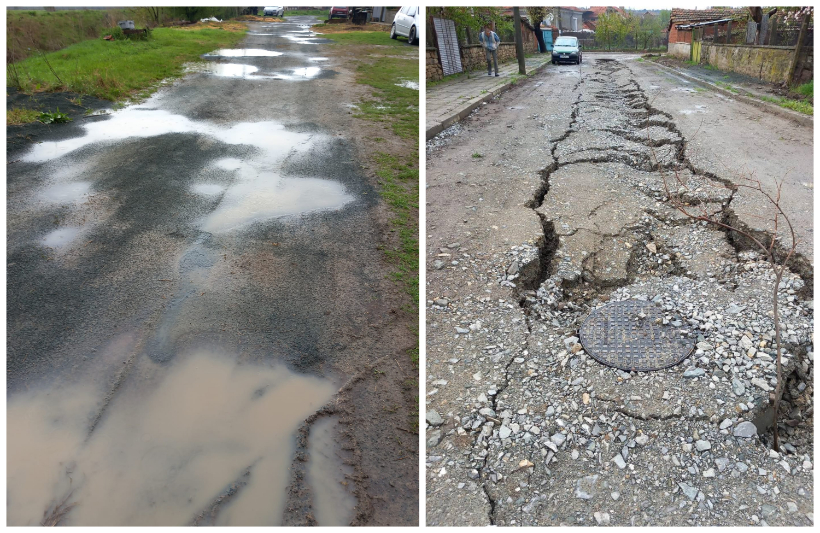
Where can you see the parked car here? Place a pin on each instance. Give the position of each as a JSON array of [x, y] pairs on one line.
[[566, 49], [339, 12], [275, 11], [406, 24]]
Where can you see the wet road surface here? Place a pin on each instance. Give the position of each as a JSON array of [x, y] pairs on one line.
[[189, 280]]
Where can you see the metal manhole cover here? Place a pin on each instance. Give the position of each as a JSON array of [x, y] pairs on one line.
[[630, 335]]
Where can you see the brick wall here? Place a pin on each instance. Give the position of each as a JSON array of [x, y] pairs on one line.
[[433, 68]]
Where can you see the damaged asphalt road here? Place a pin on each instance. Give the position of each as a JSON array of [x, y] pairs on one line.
[[194, 287], [548, 203]]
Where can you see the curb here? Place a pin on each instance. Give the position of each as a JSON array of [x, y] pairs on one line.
[[446, 123], [794, 116]]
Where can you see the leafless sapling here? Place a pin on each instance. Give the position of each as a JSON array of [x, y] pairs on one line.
[[766, 241]]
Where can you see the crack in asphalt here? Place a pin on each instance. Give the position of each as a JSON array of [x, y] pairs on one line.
[[548, 242]]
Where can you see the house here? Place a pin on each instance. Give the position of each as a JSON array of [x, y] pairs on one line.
[[681, 20], [570, 18]]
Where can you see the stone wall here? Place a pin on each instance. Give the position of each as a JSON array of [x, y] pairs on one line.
[[433, 68], [768, 63], [473, 57], [679, 50]]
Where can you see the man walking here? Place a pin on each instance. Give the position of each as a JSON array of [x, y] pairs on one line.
[[489, 39]]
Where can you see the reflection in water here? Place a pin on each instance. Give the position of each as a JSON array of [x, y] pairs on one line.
[[164, 451], [229, 70], [139, 121], [318, 59], [259, 193], [266, 195], [61, 237], [243, 52], [333, 499], [409, 84], [66, 193], [208, 189]]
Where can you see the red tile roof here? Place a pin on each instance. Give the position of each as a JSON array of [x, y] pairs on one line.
[[598, 10], [681, 16]]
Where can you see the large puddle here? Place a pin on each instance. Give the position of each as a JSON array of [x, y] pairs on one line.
[[229, 70], [259, 192], [166, 450], [243, 52]]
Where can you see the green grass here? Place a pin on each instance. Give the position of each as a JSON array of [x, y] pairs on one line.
[[117, 70], [801, 106], [364, 37], [399, 183], [727, 87], [807, 89], [18, 116], [691, 63], [392, 103], [710, 67], [27, 32], [477, 155], [314, 12]]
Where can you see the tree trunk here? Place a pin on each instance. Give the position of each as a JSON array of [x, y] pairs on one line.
[[519, 42]]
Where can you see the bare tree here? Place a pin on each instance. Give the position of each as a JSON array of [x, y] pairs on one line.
[[766, 242]]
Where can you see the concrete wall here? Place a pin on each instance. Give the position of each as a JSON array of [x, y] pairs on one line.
[[679, 50], [768, 63], [433, 68]]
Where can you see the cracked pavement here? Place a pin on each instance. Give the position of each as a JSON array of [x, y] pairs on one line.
[[550, 202]]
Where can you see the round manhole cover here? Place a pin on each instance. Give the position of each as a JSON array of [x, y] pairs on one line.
[[631, 335]]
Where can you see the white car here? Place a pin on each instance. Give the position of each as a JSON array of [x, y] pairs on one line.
[[407, 23], [275, 11]]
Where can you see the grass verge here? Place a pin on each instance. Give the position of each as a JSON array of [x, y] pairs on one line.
[[801, 106], [19, 116], [27, 32], [311, 12], [117, 70], [395, 106]]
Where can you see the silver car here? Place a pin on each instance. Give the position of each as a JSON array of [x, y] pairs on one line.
[[406, 23], [274, 11]]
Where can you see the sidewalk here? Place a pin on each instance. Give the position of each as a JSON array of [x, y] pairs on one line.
[[744, 88], [450, 101]]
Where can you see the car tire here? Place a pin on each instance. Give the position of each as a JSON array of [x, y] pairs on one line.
[[411, 37], [393, 32]]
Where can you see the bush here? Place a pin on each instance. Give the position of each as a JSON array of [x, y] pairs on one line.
[[115, 32]]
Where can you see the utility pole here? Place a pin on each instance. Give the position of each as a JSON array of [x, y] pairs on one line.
[[519, 43]]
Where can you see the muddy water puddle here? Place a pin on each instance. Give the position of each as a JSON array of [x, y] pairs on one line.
[[167, 448], [329, 476]]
